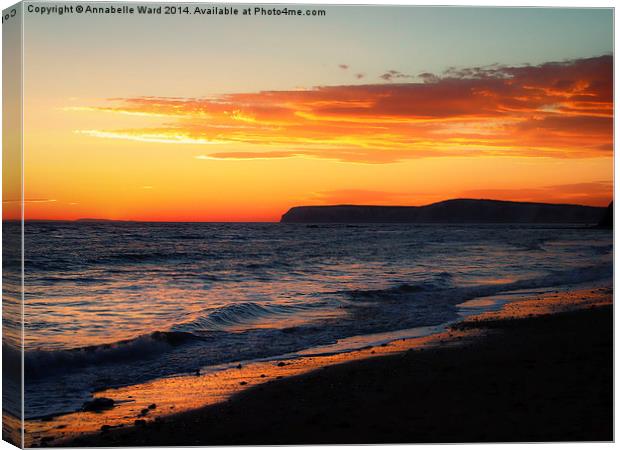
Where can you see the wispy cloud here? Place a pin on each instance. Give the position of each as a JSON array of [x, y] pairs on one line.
[[31, 200], [163, 136], [394, 75], [242, 156], [558, 109]]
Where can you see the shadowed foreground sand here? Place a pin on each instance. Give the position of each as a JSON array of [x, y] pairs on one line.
[[538, 378]]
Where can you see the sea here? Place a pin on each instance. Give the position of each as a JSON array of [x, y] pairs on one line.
[[109, 304]]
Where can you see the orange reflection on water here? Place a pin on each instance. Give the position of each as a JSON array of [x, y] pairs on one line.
[[182, 393], [550, 303]]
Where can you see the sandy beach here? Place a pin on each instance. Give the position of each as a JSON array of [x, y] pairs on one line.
[[538, 370]]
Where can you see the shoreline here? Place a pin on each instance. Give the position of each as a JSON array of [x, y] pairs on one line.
[[587, 310]]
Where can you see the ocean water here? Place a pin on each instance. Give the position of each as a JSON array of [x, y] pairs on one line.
[[112, 304]]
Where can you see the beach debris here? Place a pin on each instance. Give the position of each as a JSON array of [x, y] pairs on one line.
[[243, 383], [98, 404], [197, 372], [105, 428], [262, 375], [281, 364], [139, 422], [152, 406], [239, 366]]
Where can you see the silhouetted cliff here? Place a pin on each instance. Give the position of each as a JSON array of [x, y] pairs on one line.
[[608, 217], [449, 211]]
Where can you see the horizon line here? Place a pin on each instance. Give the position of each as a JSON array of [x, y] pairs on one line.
[[103, 220]]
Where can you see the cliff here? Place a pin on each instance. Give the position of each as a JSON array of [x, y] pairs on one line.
[[449, 211], [607, 220]]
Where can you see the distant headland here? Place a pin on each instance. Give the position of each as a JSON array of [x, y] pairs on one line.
[[449, 211]]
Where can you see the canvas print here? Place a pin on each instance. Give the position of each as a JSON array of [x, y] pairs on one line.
[[234, 224]]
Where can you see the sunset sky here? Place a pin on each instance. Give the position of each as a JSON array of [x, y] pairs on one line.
[[203, 118]]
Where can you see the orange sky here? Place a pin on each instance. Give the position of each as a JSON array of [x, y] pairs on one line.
[[528, 132]]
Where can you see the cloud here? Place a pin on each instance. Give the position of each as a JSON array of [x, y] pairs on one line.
[[393, 74], [162, 136], [242, 156], [427, 77], [554, 110], [343, 66], [32, 200]]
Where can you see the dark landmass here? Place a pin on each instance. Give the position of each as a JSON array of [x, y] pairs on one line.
[[449, 211], [607, 221], [545, 378]]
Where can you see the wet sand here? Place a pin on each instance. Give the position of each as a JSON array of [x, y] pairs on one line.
[[539, 370]]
